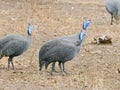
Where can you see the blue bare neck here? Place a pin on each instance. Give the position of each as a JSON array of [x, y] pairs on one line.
[[83, 30], [30, 29], [81, 35]]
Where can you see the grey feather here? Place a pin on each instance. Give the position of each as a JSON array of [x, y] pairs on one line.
[[8, 38], [113, 7]]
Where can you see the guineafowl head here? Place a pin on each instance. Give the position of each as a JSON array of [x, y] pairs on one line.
[[30, 29], [85, 25]]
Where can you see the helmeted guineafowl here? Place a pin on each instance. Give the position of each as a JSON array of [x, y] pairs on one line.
[[113, 7], [14, 45], [61, 49]]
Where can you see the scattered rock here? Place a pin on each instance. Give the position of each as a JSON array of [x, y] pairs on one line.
[[118, 70], [96, 52], [14, 72], [21, 72], [102, 39]]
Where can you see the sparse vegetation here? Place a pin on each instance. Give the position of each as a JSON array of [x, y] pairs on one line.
[[95, 67]]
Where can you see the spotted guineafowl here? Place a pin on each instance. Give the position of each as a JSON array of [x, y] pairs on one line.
[[61, 49], [14, 45]]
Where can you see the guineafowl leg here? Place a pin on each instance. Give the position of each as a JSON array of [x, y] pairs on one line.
[[116, 21], [63, 69], [60, 66], [111, 19], [53, 72], [53, 66], [10, 61]]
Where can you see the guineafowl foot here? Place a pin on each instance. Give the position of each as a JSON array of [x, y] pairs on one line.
[[10, 68], [10, 61], [54, 73], [13, 68], [40, 69], [64, 73]]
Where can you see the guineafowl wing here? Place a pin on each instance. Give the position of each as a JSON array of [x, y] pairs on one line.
[[8, 38], [48, 46], [14, 48]]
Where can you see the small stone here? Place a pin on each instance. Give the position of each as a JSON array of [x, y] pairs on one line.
[[118, 70], [103, 39], [14, 72], [96, 52]]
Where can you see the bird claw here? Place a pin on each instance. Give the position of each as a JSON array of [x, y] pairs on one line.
[[54, 73], [64, 73], [9, 68]]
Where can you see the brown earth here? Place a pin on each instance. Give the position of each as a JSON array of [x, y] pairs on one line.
[[96, 67]]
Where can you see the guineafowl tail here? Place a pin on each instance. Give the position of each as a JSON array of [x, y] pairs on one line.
[[41, 64], [1, 55], [46, 65]]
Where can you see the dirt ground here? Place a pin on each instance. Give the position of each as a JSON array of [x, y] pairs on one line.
[[96, 67]]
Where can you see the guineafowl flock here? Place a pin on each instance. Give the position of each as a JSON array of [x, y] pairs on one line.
[[60, 49]]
